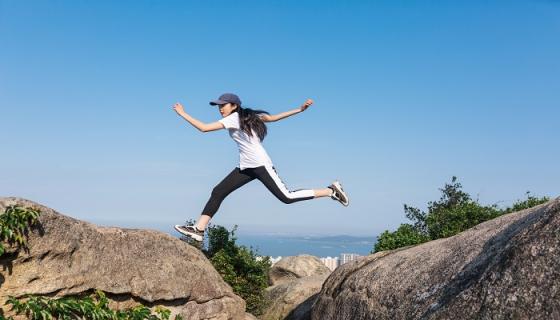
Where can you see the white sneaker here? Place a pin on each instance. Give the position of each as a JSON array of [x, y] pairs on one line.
[[339, 194], [190, 231]]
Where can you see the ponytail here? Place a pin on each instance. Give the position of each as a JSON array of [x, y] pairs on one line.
[[249, 120]]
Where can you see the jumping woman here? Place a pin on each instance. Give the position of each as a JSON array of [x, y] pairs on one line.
[[246, 127]]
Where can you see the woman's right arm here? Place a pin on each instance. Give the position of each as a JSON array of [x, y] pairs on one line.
[[203, 127]]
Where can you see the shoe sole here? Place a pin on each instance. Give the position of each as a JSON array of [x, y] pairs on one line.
[[338, 187], [192, 235]]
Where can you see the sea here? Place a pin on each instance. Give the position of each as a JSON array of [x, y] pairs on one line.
[[320, 246], [281, 244]]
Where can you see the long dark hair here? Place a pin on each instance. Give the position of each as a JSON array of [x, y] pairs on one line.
[[249, 119]]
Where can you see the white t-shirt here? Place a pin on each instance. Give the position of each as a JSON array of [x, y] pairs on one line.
[[251, 151]]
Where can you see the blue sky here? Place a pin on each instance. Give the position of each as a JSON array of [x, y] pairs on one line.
[[407, 94]]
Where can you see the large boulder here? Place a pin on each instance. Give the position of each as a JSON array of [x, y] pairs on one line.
[[292, 300], [67, 256], [506, 268], [294, 267]]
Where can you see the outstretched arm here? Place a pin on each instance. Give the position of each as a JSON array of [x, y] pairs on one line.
[[280, 116], [204, 127]]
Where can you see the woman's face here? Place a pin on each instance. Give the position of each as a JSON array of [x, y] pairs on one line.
[[227, 109]]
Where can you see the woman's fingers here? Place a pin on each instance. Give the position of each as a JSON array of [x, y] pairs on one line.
[[178, 107], [307, 103]]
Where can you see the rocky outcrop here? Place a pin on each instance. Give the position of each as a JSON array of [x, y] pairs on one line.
[[67, 256], [506, 268], [296, 281], [292, 300], [294, 267]]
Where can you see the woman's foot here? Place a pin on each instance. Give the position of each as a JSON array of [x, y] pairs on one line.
[[338, 193], [190, 231]]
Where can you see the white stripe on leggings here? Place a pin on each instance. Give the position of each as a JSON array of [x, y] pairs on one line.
[[289, 194]]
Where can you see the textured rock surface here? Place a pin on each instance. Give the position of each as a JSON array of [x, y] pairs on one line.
[[290, 268], [68, 256], [506, 268], [292, 300], [249, 316]]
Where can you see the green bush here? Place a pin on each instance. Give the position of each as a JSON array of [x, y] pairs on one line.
[[239, 267], [446, 222], [454, 212], [530, 202], [14, 225], [406, 235], [95, 307]]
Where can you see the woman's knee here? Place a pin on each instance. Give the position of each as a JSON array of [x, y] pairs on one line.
[[286, 200], [218, 192]]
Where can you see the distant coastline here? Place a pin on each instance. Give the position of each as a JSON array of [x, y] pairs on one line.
[[320, 246], [279, 244]]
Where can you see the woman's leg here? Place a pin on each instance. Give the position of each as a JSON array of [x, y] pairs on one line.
[[327, 192], [270, 178], [234, 180]]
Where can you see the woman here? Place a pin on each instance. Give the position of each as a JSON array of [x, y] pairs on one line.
[[246, 127]]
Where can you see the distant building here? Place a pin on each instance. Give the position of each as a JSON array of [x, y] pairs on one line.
[[331, 263], [274, 260], [347, 257]]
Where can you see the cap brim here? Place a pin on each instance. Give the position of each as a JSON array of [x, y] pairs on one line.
[[217, 102]]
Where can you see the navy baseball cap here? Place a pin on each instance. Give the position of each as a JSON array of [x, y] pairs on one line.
[[225, 98]]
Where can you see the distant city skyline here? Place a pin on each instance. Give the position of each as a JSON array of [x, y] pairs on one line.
[[330, 262], [407, 95]]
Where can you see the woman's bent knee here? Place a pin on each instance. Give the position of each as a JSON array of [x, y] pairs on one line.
[[287, 200], [218, 193]]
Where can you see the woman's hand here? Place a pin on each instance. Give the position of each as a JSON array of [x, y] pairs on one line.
[[178, 108], [306, 104]]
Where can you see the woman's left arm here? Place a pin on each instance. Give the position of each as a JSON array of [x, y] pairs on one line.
[[280, 116]]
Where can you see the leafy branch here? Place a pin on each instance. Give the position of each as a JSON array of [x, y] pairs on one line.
[[94, 307], [14, 225]]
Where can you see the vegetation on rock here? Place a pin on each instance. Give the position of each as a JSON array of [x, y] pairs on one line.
[[94, 306], [240, 267], [454, 212], [14, 225]]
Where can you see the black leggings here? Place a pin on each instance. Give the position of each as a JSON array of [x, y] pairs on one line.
[[266, 174]]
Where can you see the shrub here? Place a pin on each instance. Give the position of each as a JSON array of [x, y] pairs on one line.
[[405, 235], [94, 306], [530, 202], [14, 225], [454, 212], [240, 267]]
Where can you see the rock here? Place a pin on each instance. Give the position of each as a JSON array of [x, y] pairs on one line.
[[249, 316], [292, 300], [67, 256], [290, 268], [508, 267]]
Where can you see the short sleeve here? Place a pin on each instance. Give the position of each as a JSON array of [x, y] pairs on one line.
[[231, 121]]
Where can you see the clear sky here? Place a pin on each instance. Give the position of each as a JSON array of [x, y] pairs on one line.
[[407, 94]]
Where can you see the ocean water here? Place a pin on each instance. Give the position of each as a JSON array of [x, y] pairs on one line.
[[320, 246], [279, 244]]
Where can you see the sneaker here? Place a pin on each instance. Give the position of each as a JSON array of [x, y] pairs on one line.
[[190, 231], [339, 194]]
